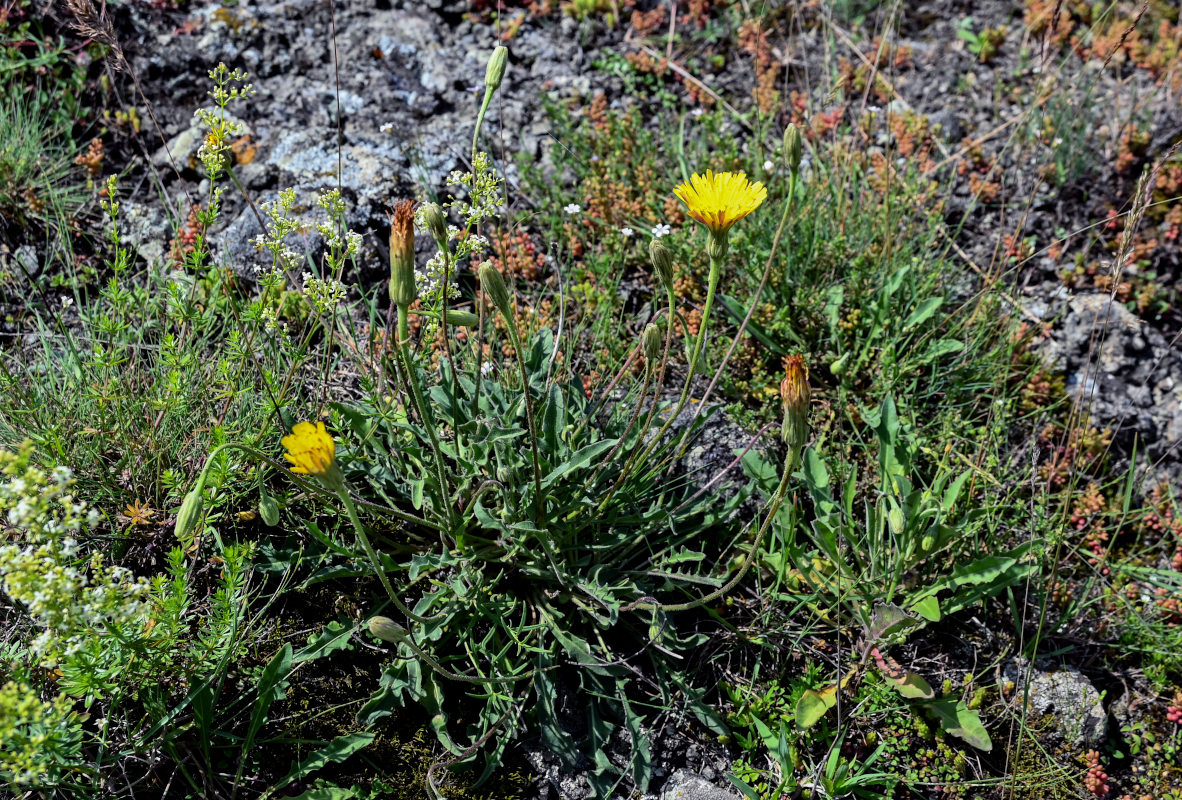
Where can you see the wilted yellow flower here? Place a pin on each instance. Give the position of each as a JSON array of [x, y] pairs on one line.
[[720, 200], [795, 394], [310, 449]]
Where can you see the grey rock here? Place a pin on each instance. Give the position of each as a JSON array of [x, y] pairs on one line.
[[26, 259], [146, 229], [1124, 373], [685, 785], [1067, 695], [708, 458]]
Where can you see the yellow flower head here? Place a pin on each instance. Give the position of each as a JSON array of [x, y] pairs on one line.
[[719, 201], [310, 449]]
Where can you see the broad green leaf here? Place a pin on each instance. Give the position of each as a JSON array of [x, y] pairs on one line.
[[894, 281], [268, 508], [578, 459], [814, 469], [811, 707], [326, 793], [334, 752], [928, 608], [272, 686], [958, 720], [335, 636], [910, 685], [941, 347], [887, 620], [813, 704], [923, 312]]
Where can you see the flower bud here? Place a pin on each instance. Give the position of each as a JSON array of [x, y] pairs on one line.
[[795, 394], [388, 630], [190, 514], [494, 73], [268, 509], [651, 338], [718, 246], [464, 319], [402, 254], [436, 222], [793, 147], [662, 260], [494, 286]]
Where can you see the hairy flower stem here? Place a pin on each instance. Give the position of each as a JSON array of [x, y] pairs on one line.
[[711, 289], [515, 340], [412, 382], [774, 507], [336, 482]]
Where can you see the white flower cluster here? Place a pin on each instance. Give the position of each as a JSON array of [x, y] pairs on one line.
[[484, 191], [282, 222], [71, 599], [323, 295]]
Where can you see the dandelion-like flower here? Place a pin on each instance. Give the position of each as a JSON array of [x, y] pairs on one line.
[[310, 449], [720, 200]]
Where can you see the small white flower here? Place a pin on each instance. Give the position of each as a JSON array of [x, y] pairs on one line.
[[873, 110], [67, 302], [661, 230], [768, 165], [573, 209], [387, 127], [626, 233], [699, 111], [486, 368]]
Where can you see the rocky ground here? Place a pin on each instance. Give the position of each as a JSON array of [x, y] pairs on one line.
[[379, 98]]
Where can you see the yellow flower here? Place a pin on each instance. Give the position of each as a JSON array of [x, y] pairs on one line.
[[719, 201], [310, 449]]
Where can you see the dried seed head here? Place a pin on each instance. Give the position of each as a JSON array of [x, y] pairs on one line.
[[402, 253]]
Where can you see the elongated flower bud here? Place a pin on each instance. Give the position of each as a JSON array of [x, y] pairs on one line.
[[795, 394], [436, 222], [793, 147], [191, 510], [388, 630], [662, 259], [651, 338], [402, 254], [494, 286], [464, 319], [494, 73]]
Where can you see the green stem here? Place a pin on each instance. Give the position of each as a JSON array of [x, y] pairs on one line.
[[711, 289], [511, 327], [337, 483], [416, 393], [789, 464]]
